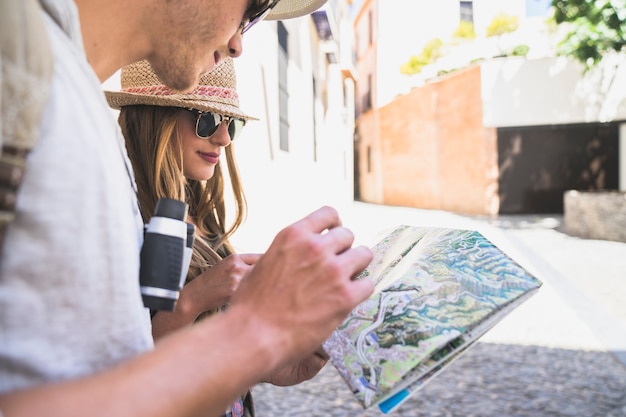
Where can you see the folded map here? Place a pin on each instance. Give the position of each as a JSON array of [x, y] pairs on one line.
[[437, 291]]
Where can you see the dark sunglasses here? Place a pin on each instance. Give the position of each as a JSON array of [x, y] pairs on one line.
[[208, 122], [258, 15]]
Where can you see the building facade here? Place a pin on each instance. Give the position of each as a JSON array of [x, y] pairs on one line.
[[492, 134], [296, 76]]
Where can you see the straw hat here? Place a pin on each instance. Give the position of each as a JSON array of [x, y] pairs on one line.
[[287, 9], [217, 91]]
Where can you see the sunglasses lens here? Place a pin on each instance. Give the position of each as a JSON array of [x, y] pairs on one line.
[[259, 16], [234, 128], [207, 124]]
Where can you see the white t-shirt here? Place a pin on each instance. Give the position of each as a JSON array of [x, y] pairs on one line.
[[69, 289]]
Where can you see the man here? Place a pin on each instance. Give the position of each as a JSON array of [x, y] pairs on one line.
[[75, 336]]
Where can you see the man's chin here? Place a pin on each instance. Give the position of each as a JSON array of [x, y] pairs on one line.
[[178, 78]]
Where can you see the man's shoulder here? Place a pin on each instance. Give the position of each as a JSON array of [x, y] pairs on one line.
[[65, 15]]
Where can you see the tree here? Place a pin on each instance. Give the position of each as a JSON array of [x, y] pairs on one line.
[[465, 30], [501, 24], [595, 28], [430, 53]]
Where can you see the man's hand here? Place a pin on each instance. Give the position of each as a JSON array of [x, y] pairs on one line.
[[301, 289]]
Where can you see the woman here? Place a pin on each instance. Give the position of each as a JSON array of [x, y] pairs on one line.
[[175, 142]]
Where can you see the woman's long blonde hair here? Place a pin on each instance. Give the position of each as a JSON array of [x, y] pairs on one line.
[[155, 151]]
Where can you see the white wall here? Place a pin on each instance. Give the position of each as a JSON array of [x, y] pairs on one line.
[[282, 187], [404, 27], [521, 92]]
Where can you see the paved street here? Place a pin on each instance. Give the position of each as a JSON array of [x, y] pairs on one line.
[[562, 353]]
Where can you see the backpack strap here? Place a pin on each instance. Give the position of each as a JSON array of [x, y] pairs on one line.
[[26, 68], [12, 165]]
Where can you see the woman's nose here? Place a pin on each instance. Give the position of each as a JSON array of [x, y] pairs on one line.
[[221, 137]]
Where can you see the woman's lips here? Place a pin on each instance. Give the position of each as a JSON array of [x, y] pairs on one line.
[[211, 157]]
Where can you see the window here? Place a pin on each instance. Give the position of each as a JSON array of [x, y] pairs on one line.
[[283, 93], [367, 97], [467, 11]]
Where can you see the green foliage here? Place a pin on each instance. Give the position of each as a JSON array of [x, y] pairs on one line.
[[520, 50], [432, 49], [465, 30], [595, 28], [429, 54], [501, 24]]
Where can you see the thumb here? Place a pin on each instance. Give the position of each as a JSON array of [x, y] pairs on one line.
[[250, 258]]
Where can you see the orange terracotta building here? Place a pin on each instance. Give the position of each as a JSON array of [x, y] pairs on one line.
[[502, 136]]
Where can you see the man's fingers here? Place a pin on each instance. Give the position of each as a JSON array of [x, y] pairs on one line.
[[337, 239], [361, 289], [320, 352], [321, 219], [357, 258]]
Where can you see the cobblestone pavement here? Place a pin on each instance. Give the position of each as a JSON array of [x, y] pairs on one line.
[[489, 380], [562, 353]]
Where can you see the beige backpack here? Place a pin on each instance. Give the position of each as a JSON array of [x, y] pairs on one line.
[[26, 64]]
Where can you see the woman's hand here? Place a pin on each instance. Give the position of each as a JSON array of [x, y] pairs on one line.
[[210, 290], [296, 373], [213, 288]]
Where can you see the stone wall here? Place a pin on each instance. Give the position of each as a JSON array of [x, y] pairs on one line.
[[595, 214]]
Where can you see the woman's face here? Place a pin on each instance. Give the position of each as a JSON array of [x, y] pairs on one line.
[[200, 156]]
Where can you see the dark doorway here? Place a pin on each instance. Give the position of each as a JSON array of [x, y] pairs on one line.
[[538, 164]]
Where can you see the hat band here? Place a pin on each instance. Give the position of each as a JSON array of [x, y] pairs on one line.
[[201, 90]]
